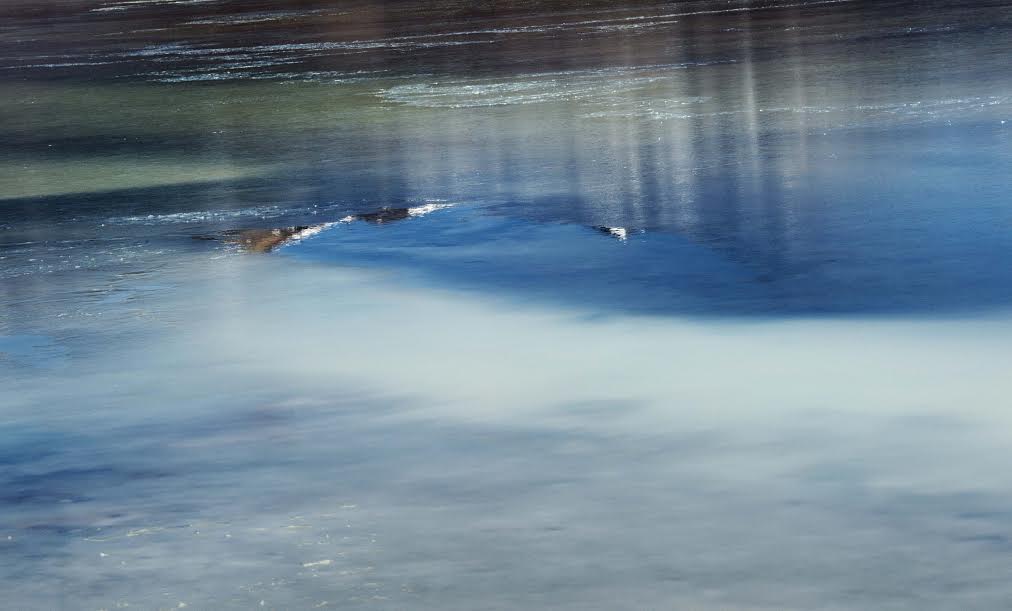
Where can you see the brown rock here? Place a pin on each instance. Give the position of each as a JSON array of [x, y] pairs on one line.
[[262, 240]]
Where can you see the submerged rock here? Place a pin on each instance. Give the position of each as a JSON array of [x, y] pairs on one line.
[[266, 240], [385, 215], [388, 215]]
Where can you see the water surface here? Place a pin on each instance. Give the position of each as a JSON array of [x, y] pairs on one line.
[[661, 305]]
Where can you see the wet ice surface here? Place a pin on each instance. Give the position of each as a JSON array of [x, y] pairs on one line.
[[264, 417], [313, 305]]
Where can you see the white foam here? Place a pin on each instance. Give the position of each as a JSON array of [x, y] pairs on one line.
[[308, 232], [619, 232], [428, 208], [202, 216]]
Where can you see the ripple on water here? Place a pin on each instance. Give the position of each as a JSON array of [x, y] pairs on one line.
[[585, 86]]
